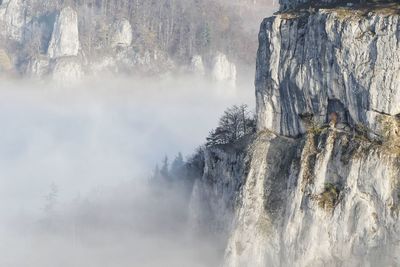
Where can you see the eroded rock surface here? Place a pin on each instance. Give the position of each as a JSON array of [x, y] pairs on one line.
[[324, 62], [65, 38], [322, 200], [13, 19], [66, 70], [321, 186]]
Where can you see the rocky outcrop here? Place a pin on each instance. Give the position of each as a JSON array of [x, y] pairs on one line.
[[12, 18], [62, 60], [38, 67], [326, 199], [329, 198], [121, 33], [223, 70], [65, 63], [322, 200], [321, 186], [324, 62], [216, 191], [65, 37], [66, 70]]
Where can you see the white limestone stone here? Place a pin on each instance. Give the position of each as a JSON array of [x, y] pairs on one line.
[[310, 63], [65, 37], [223, 70]]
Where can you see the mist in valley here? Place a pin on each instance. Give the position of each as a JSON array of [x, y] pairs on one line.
[[76, 164], [106, 107]]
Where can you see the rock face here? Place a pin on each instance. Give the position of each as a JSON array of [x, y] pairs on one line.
[[327, 62], [12, 16], [317, 187], [325, 199], [217, 188], [65, 38], [38, 67], [322, 200], [223, 70], [66, 70], [121, 33], [64, 65]]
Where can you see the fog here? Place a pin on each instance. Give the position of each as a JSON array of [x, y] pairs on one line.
[[74, 168]]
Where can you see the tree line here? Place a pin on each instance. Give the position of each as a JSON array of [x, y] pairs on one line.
[[236, 123], [181, 28]]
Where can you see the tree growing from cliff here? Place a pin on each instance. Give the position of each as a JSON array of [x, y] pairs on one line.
[[236, 123]]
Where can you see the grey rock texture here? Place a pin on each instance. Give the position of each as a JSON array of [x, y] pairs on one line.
[[216, 192], [324, 62], [321, 200], [321, 185], [12, 19], [66, 70], [65, 38], [63, 62], [325, 199]]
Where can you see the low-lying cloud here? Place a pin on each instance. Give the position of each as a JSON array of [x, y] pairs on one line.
[[97, 141]]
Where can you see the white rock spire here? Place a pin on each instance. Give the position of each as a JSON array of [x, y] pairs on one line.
[[65, 37]]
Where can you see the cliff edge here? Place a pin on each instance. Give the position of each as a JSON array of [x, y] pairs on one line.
[[321, 185]]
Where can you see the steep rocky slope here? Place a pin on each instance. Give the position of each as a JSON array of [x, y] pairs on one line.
[[322, 182]]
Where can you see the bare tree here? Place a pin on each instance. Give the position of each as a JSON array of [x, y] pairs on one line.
[[236, 122]]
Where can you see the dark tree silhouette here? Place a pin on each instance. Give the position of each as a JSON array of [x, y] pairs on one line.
[[236, 122]]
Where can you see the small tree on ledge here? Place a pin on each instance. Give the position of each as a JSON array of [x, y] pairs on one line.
[[236, 122]]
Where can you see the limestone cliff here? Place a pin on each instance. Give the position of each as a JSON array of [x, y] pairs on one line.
[[333, 60], [322, 182], [326, 199], [65, 38], [111, 37], [223, 69], [12, 19], [63, 61]]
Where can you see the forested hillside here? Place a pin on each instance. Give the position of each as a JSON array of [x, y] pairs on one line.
[[174, 30]]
